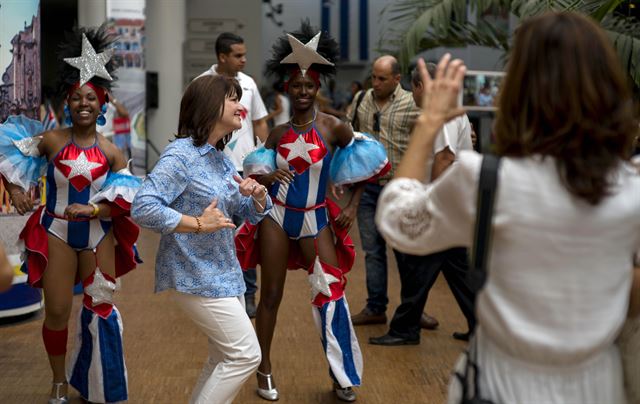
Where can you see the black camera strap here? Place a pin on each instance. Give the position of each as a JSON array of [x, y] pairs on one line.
[[487, 186]]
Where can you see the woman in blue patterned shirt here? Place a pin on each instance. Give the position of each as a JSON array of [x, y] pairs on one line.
[[190, 197]]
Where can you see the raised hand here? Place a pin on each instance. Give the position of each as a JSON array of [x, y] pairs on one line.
[[213, 219], [440, 97]]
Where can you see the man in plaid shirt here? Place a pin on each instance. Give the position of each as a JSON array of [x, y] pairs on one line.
[[387, 112]]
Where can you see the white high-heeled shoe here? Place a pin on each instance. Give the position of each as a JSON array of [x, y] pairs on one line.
[[270, 393], [58, 399]]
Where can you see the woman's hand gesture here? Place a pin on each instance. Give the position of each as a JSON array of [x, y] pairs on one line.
[[213, 219], [440, 96], [251, 187]]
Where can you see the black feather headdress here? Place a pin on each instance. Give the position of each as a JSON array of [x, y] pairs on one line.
[[327, 48], [101, 40]]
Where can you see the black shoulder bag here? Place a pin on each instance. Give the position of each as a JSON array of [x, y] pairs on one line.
[[477, 275], [355, 121]]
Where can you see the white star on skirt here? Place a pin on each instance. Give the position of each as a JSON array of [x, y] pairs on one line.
[[320, 280], [101, 290]]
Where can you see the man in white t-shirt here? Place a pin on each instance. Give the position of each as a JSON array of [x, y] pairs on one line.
[[418, 273], [232, 57]]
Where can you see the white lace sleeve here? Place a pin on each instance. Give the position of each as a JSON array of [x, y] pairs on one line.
[[29, 146], [421, 219]]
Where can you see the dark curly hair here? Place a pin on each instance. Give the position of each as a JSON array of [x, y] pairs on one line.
[[327, 47], [100, 38], [565, 95]]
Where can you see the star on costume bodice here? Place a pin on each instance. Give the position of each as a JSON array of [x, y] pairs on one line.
[[302, 150], [82, 166]]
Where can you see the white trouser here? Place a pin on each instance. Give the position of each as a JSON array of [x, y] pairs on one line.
[[234, 353]]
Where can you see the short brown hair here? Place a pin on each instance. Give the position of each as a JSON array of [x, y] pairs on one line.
[[202, 105], [565, 95]]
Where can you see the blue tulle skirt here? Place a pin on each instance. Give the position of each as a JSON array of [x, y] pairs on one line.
[[15, 166], [360, 160]]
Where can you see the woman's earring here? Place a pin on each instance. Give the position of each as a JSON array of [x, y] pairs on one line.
[[67, 115], [101, 119]]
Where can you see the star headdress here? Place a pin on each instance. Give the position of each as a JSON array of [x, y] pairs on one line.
[[90, 63], [304, 50], [304, 55], [84, 57]]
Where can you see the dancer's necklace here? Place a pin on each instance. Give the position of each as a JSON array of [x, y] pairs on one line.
[[300, 125]]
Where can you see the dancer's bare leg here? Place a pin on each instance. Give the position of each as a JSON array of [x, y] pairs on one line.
[[274, 251], [326, 248], [57, 281], [105, 254]]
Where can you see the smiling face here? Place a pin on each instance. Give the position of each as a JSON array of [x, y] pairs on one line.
[[231, 116], [302, 92], [84, 106]]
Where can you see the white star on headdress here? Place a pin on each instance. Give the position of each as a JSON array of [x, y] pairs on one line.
[[101, 290], [91, 64], [320, 280], [304, 55], [300, 148], [80, 166]]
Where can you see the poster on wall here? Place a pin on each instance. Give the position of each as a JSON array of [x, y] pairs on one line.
[[19, 94], [126, 116], [19, 58], [19, 68]]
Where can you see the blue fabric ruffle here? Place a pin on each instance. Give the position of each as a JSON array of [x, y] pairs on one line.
[[259, 162], [118, 184], [360, 160], [119, 179], [16, 167]]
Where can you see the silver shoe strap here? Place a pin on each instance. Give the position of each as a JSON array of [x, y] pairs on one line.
[[269, 378], [57, 386]]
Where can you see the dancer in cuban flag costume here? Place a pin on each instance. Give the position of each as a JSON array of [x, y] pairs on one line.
[[83, 231], [297, 164]]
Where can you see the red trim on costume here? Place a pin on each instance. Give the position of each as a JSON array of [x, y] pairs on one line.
[[55, 341], [248, 251], [293, 72], [100, 92], [314, 207], [380, 174], [36, 242], [75, 219]]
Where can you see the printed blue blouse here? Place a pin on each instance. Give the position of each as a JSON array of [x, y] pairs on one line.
[[185, 181]]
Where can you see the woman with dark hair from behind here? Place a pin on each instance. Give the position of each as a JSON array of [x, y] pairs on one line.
[[194, 188], [566, 226]]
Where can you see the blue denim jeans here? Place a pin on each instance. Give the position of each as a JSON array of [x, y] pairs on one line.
[[375, 250]]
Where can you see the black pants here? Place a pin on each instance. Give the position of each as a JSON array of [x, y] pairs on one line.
[[417, 276]]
